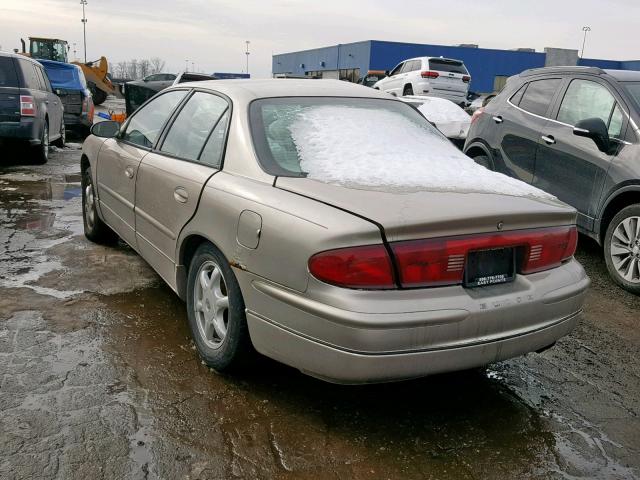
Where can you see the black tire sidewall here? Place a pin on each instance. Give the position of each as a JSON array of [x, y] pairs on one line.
[[485, 159], [100, 232], [235, 348], [630, 211]]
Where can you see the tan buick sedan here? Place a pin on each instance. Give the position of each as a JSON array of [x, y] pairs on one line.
[[333, 228]]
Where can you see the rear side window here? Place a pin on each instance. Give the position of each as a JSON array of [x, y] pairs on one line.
[[538, 95], [212, 153], [29, 75], [145, 126], [445, 65], [193, 125], [44, 80], [8, 76], [412, 66]]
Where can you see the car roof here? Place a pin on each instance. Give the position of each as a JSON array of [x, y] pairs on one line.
[[249, 89], [17, 55], [624, 75]]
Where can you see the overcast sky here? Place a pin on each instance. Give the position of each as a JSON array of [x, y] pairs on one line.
[[212, 33]]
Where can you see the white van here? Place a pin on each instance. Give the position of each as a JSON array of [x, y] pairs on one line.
[[431, 76]]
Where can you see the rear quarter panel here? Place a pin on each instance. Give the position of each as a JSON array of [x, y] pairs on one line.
[[293, 228]]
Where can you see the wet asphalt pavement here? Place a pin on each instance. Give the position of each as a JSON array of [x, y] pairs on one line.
[[99, 379]]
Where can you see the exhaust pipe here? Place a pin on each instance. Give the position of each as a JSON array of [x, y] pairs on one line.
[[24, 45]]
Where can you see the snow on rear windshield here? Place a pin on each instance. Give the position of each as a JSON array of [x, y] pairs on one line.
[[381, 148]]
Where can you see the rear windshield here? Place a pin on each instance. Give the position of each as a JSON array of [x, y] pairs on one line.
[[8, 77], [634, 90], [287, 131], [444, 65]]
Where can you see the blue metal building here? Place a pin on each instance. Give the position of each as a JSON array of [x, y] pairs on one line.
[[489, 68]]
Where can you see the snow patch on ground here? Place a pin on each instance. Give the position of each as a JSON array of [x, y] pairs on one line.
[[360, 147]]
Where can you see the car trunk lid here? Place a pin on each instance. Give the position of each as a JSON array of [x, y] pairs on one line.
[[410, 215]]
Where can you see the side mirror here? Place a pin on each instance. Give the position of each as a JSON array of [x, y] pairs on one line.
[[106, 129], [596, 130]]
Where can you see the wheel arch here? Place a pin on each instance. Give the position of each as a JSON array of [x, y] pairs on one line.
[[476, 148], [186, 250], [621, 198]]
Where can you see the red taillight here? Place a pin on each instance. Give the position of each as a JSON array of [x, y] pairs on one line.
[[367, 267], [466, 78], [476, 115], [27, 106], [429, 74], [441, 261]]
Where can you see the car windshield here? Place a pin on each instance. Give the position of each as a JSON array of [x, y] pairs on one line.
[[634, 90], [366, 143]]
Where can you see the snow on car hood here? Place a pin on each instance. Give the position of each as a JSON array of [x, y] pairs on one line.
[[349, 146]]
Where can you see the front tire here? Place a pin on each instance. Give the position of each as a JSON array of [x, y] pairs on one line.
[[63, 137], [216, 311], [94, 228], [622, 248]]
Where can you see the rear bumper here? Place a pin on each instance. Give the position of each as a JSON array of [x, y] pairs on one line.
[[77, 120], [350, 336], [24, 130], [341, 366]]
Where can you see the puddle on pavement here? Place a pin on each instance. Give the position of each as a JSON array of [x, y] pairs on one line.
[[276, 421]]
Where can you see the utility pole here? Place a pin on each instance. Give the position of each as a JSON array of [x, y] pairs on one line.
[[193, 67], [247, 54], [84, 28], [584, 40], [75, 55], [186, 65]]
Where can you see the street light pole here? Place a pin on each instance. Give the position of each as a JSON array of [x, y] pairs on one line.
[[84, 28], [584, 40], [247, 54], [186, 65]]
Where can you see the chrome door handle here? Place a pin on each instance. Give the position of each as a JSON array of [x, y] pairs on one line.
[[181, 195], [128, 172], [549, 140], [498, 119]]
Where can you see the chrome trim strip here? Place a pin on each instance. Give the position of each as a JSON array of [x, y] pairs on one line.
[[115, 195], [155, 223]]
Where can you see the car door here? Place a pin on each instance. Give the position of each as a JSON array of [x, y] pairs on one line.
[[120, 157], [392, 82], [171, 177], [55, 108], [518, 125], [572, 167]]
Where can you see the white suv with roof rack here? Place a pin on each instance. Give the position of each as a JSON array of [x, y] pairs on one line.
[[431, 76]]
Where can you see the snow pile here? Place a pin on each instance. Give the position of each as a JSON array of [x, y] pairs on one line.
[[379, 148], [441, 110]]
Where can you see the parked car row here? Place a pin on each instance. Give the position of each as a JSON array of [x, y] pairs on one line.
[[573, 132]]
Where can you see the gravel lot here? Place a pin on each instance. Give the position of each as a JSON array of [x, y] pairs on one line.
[[99, 379]]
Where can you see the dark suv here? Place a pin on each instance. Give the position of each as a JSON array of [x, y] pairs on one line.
[[29, 110], [573, 131]]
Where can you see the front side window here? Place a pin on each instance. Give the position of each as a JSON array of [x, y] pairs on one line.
[[586, 99], [538, 95], [396, 70], [192, 126], [145, 125], [290, 134]]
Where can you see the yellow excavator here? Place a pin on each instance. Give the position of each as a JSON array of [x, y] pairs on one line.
[[96, 73]]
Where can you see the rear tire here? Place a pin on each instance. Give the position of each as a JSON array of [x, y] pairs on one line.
[[216, 312], [485, 161], [94, 228], [622, 248], [408, 90], [40, 152]]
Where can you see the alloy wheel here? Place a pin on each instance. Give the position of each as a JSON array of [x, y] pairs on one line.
[[89, 205], [625, 249], [211, 304]]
